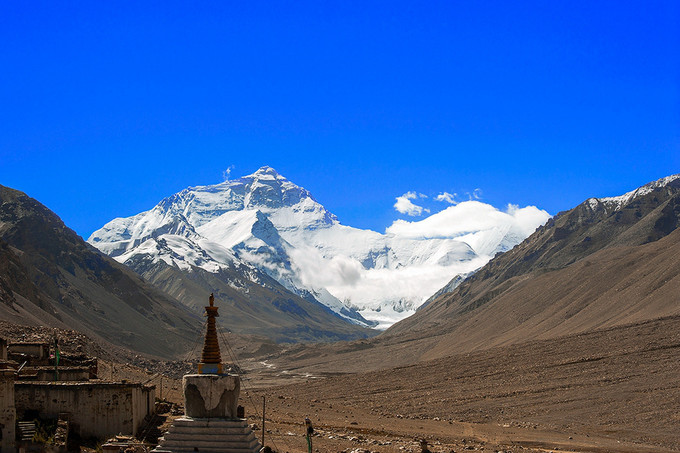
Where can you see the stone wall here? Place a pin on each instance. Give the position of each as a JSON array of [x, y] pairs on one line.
[[7, 411], [96, 409]]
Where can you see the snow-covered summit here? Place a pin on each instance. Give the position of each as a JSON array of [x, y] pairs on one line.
[[265, 221], [620, 201], [265, 190]]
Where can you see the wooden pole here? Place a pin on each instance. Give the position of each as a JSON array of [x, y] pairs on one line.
[[264, 406], [309, 431]]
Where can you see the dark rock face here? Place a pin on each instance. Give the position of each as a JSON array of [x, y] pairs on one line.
[[667, 221], [591, 226]]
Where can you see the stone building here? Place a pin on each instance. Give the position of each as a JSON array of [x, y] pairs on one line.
[[7, 411], [95, 409]]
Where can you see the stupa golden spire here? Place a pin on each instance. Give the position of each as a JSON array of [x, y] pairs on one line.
[[211, 359]]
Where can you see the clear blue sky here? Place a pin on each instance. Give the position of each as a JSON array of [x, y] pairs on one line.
[[107, 107]]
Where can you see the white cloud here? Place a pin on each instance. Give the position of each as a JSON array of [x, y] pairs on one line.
[[447, 197], [419, 256], [480, 225], [405, 286], [527, 219], [226, 173], [315, 270], [475, 195], [405, 206]]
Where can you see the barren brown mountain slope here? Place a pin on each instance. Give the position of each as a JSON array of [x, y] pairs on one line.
[[615, 286], [50, 276]]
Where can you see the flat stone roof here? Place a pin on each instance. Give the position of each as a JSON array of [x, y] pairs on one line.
[[60, 368], [82, 384], [28, 343]]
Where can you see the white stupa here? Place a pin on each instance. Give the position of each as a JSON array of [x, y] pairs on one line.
[[210, 423]]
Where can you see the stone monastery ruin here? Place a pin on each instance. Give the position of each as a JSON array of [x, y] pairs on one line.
[[37, 383]]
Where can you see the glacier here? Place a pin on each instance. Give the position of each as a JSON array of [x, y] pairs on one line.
[[265, 221]]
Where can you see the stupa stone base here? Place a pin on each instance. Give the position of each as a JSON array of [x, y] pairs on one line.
[[211, 395], [190, 435]]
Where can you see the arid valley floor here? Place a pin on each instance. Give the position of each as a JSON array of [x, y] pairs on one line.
[[614, 390]]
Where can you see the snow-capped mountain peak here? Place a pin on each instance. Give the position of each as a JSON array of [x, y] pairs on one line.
[[265, 190], [265, 221], [267, 172]]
